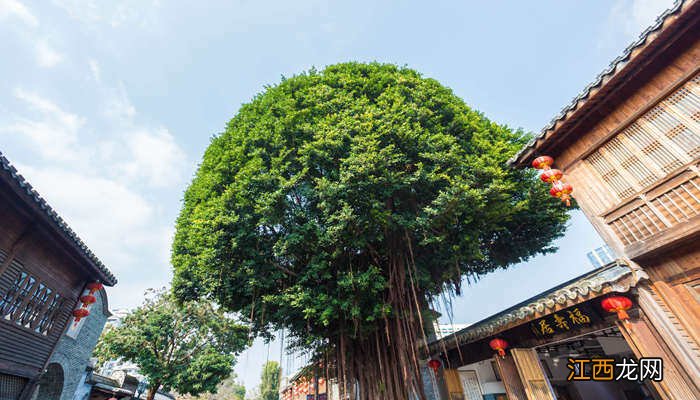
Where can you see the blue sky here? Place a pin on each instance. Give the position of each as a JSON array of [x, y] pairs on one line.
[[107, 107]]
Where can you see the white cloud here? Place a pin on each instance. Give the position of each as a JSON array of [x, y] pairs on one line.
[[95, 70], [52, 131], [116, 13], [46, 56], [13, 8], [155, 156], [117, 105], [120, 225], [130, 151], [631, 17]]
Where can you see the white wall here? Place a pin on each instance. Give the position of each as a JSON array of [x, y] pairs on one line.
[[486, 376]]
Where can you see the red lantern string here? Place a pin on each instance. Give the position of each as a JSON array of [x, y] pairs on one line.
[[80, 313], [87, 299], [559, 189], [94, 286]]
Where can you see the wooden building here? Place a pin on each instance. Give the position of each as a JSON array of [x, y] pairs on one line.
[[44, 270], [630, 147], [541, 334]]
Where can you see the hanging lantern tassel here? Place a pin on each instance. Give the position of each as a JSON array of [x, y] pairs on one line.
[[499, 345], [562, 191], [619, 305], [434, 365]]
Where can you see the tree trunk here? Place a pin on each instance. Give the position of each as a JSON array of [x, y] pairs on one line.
[[152, 390]]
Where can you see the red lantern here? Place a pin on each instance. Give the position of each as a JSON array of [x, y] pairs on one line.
[[80, 313], [617, 304], [88, 299], [499, 345], [94, 286], [434, 365], [542, 162], [562, 190], [551, 175]]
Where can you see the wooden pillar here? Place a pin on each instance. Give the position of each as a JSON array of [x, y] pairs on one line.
[[646, 341], [510, 378], [685, 307], [534, 380]]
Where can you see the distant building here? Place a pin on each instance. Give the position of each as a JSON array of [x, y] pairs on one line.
[[442, 330], [111, 367], [117, 317], [601, 256]]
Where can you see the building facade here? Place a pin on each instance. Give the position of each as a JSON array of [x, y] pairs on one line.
[[44, 271], [629, 145], [539, 336], [73, 352]]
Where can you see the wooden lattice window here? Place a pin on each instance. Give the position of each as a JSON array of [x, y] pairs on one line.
[[659, 142], [31, 304]]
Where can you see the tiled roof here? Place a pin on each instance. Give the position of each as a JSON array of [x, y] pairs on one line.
[[615, 277], [55, 219], [615, 66]]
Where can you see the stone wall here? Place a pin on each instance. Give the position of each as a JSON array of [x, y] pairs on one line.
[[73, 355]]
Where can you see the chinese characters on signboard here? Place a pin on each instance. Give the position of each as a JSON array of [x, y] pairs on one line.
[[564, 321]]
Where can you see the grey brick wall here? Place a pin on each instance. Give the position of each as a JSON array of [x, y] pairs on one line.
[[74, 354]]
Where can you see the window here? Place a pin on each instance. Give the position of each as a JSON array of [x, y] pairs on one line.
[[660, 141], [31, 304]]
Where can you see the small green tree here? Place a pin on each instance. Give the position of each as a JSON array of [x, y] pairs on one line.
[[188, 347], [270, 381], [229, 389]]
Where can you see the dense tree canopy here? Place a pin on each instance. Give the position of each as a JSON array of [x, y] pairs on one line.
[[337, 203], [188, 347]]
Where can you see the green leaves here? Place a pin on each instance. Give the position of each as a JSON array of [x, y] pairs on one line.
[[297, 208], [188, 347], [270, 381]]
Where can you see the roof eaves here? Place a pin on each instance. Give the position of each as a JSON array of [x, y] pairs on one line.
[[615, 277], [56, 219], [615, 66]]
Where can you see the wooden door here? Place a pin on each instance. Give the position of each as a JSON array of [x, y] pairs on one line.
[[532, 375], [470, 385], [510, 378]]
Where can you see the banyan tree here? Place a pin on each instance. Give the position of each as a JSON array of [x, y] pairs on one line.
[[339, 203]]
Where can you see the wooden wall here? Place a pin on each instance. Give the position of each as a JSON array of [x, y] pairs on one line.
[[25, 246], [600, 204]]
